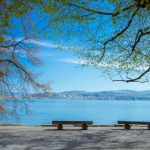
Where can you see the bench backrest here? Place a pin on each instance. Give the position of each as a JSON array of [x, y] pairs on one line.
[[133, 122], [72, 122]]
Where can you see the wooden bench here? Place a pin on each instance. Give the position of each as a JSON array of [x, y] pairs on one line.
[[127, 124], [84, 124]]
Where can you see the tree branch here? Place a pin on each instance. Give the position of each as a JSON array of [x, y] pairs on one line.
[[122, 31], [138, 37], [12, 45], [100, 12], [137, 78], [118, 34]]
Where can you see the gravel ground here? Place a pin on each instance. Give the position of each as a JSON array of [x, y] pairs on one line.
[[73, 138]]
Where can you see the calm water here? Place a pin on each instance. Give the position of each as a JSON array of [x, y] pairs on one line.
[[100, 112]]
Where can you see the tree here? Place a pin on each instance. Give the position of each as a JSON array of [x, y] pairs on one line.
[[17, 54], [115, 33]]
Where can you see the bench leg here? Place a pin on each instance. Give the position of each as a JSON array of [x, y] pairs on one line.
[[127, 126], [148, 126], [84, 126], [60, 126]]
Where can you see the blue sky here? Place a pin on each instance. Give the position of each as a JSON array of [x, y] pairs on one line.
[[64, 72], [63, 69]]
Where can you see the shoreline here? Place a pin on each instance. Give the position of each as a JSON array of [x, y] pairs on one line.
[[75, 126], [51, 125]]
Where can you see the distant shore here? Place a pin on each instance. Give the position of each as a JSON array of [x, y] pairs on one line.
[[83, 95], [102, 95]]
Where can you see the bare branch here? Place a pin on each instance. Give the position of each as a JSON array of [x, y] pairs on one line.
[[13, 45]]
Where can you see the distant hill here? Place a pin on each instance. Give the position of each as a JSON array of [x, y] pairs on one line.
[[102, 95]]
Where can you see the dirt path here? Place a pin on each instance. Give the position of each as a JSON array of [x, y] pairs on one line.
[[96, 138]]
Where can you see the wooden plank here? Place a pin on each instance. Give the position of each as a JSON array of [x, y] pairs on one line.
[[133, 122], [72, 122]]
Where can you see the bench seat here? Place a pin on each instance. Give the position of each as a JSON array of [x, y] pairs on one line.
[[127, 124], [84, 124]]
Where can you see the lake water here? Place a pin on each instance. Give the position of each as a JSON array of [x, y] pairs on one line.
[[98, 111]]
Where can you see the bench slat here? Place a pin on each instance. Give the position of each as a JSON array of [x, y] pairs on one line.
[[133, 122], [72, 122]]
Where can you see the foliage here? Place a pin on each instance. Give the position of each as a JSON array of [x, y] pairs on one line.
[[115, 33]]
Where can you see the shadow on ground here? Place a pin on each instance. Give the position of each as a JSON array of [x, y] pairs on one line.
[[39, 138]]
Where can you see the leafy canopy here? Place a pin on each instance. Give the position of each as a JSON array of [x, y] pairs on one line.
[[114, 33]]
